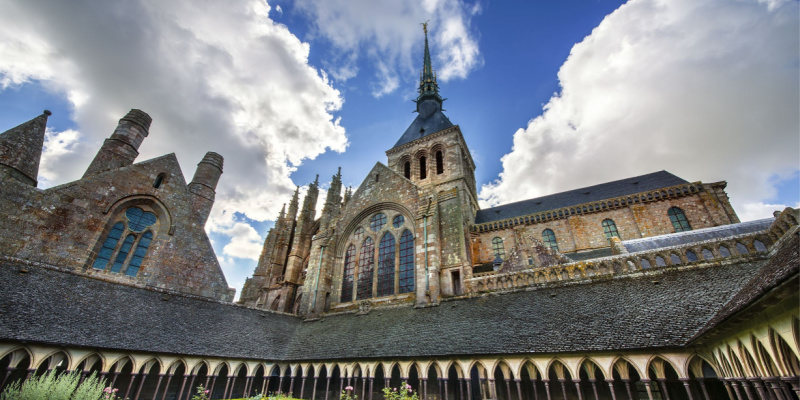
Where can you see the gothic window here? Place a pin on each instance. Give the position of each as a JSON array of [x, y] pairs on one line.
[[610, 228], [347, 276], [358, 233], [423, 169], [549, 238], [377, 222], [407, 169], [497, 248], [679, 221], [398, 221], [439, 163], [386, 265], [136, 225], [366, 266], [406, 262]]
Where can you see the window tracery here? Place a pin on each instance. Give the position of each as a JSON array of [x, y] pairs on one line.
[[610, 228], [549, 238], [366, 265], [678, 219], [386, 265], [130, 253], [498, 249]]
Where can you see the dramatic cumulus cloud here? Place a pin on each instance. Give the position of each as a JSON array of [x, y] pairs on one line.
[[707, 90], [214, 75], [388, 33]]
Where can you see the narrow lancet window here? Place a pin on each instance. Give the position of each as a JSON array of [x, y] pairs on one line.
[[386, 265], [423, 168], [108, 246], [439, 163], [138, 254], [366, 268], [347, 276], [406, 262], [407, 169], [123, 253]]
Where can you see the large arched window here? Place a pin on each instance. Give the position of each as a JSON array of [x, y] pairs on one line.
[[610, 228], [386, 265], [347, 276], [406, 262], [679, 221], [137, 226], [549, 238], [439, 163], [497, 248], [423, 168], [366, 267]]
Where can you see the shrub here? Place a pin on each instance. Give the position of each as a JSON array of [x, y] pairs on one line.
[[55, 387], [405, 393]]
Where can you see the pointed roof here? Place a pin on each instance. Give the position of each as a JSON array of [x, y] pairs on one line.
[[430, 118], [21, 148]]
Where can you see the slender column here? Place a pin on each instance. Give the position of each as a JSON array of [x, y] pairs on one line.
[[314, 389], [519, 388], [130, 384], [189, 389], [484, 389], [664, 393], [139, 389], [158, 385], [303, 387], [424, 388], [469, 387], [594, 388], [508, 388], [746, 388], [83, 376], [578, 388], [611, 388], [166, 388], [686, 382], [8, 372], [535, 389], [183, 386], [795, 382], [735, 386], [762, 394], [225, 391], [628, 388], [547, 388], [30, 372], [341, 384], [113, 380], [461, 389], [280, 384], [363, 387], [787, 391], [211, 390], [265, 383], [728, 389], [647, 386], [442, 390], [563, 383], [387, 382], [702, 382], [208, 378], [775, 386], [327, 386], [370, 387], [291, 386]]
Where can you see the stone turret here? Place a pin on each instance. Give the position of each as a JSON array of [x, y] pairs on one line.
[[204, 184], [122, 148], [333, 203], [21, 150]]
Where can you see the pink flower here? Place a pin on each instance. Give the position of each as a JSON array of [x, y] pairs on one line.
[[206, 392], [395, 389], [408, 387], [348, 388]]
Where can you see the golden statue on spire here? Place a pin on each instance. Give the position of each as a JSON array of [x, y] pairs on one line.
[[425, 26]]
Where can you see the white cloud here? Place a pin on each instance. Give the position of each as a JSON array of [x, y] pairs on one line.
[[214, 75], [56, 145], [388, 33], [706, 90], [752, 211], [245, 242]]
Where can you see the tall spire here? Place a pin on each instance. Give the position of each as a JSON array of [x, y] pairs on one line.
[[428, 88], [293, 204], [21, 150]]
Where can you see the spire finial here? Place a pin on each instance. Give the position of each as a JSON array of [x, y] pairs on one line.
[[428, 88], [425, 27]]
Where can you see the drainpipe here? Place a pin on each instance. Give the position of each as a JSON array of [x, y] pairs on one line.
[[425, 234], [319, 272]]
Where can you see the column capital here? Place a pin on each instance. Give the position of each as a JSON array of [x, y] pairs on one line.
[[517, 380], [685, 380], [610, 380], [576, 380], [645, 380]]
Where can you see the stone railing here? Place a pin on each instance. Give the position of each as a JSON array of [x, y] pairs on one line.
[[755, 244]]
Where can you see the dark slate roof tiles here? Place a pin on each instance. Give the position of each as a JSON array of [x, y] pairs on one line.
[[699, 235], [425, 124], [623, 187]]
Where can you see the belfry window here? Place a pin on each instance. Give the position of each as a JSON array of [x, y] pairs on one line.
[[610, 228], [423, 168], [679, 221], [549, 239], [407, 169], [497, 248], [128, 255], [439, 163]]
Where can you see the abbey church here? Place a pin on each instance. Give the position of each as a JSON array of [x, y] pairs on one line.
[[649, 287]]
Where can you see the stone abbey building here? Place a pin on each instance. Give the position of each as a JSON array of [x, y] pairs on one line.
[[644, 288]]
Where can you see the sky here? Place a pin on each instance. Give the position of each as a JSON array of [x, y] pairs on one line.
[[550, 95]]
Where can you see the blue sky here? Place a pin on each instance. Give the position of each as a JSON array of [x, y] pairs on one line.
[[550, 95]]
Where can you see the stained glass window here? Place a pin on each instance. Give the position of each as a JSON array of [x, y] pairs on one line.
[[366, 267], [358, 233], [139, 219], [386, 265], [123, 253], [549, 238], [679, 221], [108, 246], [406, 262], [398, 221], [377, 222], [138, 254], [498, 248], [347, 276], [610, 228]]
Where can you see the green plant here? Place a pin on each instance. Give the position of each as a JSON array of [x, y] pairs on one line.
[[346, 394], [201, 393], [404, 393], [51, 386]]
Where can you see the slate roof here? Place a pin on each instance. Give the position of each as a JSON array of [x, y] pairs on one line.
[[48, 306], [588, 255], [623, 187], [699, 235], [426, 123]]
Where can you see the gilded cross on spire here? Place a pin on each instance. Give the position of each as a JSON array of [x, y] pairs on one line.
[[425, 27]]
